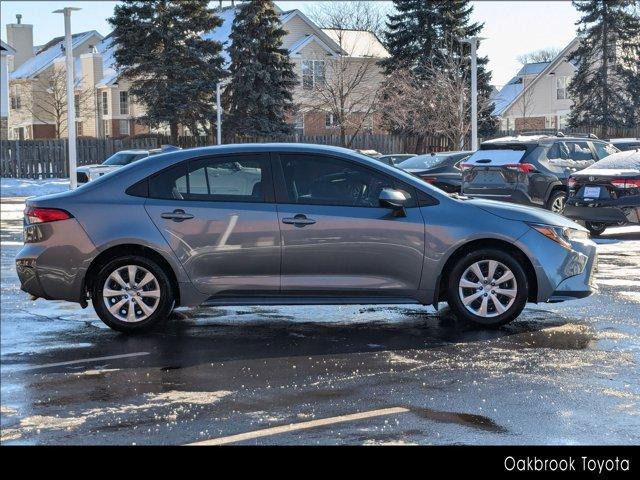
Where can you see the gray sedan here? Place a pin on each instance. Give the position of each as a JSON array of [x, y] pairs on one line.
[[291, 224]]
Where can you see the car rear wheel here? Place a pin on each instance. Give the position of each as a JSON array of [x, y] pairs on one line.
[[487, 287], [132, 294], [557, 201], [596, 228]]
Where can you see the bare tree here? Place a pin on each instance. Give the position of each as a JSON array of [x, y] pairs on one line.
[[525, 105], [349, 15], [50, 99], [344, 86], [435, 103], [542, 55]]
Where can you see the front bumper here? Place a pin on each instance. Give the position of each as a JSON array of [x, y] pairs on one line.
[[561, 274]]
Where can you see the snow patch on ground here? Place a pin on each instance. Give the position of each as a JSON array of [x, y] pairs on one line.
[[4, 410], [41, 422], [22, 187]]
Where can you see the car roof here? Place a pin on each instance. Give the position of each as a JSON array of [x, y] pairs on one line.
[[536, 139], [133, 151]]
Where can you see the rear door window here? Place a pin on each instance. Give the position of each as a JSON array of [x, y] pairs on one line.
[[228, 179], [604, 149]]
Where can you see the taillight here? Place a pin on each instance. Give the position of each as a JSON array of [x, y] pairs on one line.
[[626, 183], [465, 166], [571, 182], [523, 167], [429, 179], [45, 215]]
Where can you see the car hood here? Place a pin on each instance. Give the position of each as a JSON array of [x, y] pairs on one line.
[[512, 211]]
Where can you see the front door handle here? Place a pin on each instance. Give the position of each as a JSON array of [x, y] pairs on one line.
[[299, 220], [178, 215]]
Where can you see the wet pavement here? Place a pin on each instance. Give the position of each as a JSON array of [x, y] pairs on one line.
[[561, 374]]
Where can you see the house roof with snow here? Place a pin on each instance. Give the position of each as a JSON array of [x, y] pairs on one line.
[[357, 43], [48, 53], [513, 90], [6, 48]]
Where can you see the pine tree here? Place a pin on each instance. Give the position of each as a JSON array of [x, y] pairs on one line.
[[605, 87], [173, 70], [425, 32], [259, 98], [411, 36]]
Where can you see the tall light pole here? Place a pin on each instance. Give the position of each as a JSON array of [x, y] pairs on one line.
[[473, 41], [71, 104], [218, 113]]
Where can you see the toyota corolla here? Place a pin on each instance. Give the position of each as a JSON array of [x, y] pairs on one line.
[[284, 224]]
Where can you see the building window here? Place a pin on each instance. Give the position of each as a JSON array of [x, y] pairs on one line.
[[330, 120], [106, 128], [549, 122], [105, 103], [312, 74], [124, 103], [16, 102], [76, 104], [561, 88], [79, 131], [123, 127], [298, 124]]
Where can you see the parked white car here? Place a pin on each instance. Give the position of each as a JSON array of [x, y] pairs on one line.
[[87, 173]]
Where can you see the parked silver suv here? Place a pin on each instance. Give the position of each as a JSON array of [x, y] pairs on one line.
[[291, 224]]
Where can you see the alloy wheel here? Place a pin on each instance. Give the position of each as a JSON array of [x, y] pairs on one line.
[[558, 204], [131, 293], [487, 288]]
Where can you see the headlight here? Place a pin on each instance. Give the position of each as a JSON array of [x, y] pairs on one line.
[[561, 235]]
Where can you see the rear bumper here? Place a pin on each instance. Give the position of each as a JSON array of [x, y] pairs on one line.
[[513, 196], [53, 266], [609, 214]]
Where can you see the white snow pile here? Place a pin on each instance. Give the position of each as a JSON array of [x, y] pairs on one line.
[[22, 187]]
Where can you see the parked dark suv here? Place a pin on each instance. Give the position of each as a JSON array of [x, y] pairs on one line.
[[531, 170]]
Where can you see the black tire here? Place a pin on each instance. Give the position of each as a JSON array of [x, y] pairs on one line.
[[596, 228], [521, 287], [557, 195], [165, 301]]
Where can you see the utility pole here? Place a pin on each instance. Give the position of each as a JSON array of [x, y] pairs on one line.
[[473, 42], [71, 104], [219, 113]]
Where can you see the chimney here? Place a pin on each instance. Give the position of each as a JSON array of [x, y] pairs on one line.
[[20, 37], [91, 68]]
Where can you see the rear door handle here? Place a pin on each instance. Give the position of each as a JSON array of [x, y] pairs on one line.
[[177, 215], [299, 220]]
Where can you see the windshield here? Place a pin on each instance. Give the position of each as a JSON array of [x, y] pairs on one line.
[[122, 158], [422, 161]]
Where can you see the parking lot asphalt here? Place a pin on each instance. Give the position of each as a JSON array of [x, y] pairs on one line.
[[561, 374]]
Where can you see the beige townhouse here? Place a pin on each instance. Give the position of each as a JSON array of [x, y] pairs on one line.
[[6, 51], [323, 58], [537, 96]]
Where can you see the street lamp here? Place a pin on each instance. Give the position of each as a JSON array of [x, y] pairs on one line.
[[473, 41], [71, 107], [218, 114]]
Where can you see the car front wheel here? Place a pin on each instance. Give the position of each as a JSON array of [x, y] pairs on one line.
[[132, 294], [596, 228], [488, 287]]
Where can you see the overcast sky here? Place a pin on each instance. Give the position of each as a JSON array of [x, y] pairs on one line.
[[511, 27]]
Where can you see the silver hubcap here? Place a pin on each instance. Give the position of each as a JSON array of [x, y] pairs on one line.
[[487, 288], [558, 205], [131, 293]]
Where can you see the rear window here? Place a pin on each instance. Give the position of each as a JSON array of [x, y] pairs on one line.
[[623, 160], [495, 157]]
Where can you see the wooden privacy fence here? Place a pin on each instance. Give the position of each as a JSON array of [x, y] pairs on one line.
[[48, 158]]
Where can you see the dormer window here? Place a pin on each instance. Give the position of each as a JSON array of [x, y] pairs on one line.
[[561, 88]]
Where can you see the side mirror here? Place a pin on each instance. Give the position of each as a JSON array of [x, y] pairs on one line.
[[395, 200]]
